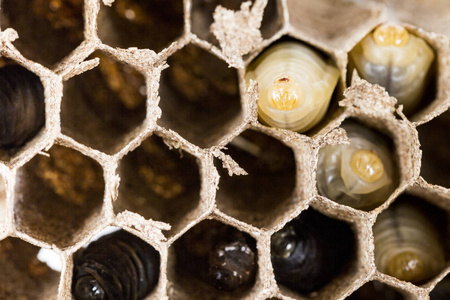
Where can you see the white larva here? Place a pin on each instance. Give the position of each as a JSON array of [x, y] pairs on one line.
[[407, 246], [295, 86], [360, 174], [397, 60]]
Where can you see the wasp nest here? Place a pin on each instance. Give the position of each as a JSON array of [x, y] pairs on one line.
[[269, 149]]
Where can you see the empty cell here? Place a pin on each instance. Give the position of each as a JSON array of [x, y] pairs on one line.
[[48, 29], [434, 139], [272, 19], [158, 183], [442, 290], [362, 174], [376, 290], [268, 189], [199, 96], [312, 250], [60, 197], [151, 24], [410, 240], [214, 259], [101, 107], [118, 266], [23, 275]]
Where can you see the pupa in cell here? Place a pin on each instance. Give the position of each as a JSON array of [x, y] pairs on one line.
[[295, 85]]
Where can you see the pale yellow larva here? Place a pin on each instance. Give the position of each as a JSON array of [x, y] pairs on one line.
[[295, 85], [360, 174], [397, 60], [407, 245]]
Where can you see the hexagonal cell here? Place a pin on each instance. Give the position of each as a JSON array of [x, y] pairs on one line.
[[362, 174], [376, 290], [212, 261], [22, 107], [199, 96], [410, 240], [442, 290], [433, 137], [265, 193], [48, 29], [400, 61], [117, 265], [298, 86], [60, 197], [150, 24], [310, 251], [101, 107], [158, 183], [22, 275]]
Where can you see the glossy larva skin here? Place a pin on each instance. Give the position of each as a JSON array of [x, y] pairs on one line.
[[402, 232], [22, 112], [315, 77], [402, 70], [337, 180], [118, 266]]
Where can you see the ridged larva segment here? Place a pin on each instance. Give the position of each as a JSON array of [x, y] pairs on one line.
[[295, 85]]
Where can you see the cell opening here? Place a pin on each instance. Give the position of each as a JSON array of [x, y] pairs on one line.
[[376, 290], [117, 265], [59, 197], [159, 183], [442, 290], [101, 107], [23, 275], [311, 251], [411, 240], [434, 142], [272, 19], [268, 190], [199, 96], [48, 29], [152, 24], [213, 260]]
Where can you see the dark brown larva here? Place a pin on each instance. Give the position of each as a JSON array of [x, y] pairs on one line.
[[310, 251], [22, 112], [219, 255], [118, 266]]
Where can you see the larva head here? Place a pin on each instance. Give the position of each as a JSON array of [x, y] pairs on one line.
[[284, 93], [284, 242], [391, 35], [367, 165], [407, 265], [88, 288]]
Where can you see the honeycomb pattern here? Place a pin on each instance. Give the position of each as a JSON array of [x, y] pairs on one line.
[[161, 124]]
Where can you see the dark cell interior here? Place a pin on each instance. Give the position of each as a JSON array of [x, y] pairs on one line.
[[58, 196], [272, 21], [434, 138], [22, 275], [101, 106], [311, 251], [442, 290], [158, 183], [259, 197], [48, 29], [376, 290], [199, 96], [195, 258], [152, 24]]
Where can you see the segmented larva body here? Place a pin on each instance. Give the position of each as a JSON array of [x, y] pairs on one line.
[[118, 266], [22, 112], [397, 60], [295, 86], [407, 246], [360, 174]]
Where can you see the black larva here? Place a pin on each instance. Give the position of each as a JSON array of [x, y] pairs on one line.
[[22, 111], [118, 266], [310, 251]]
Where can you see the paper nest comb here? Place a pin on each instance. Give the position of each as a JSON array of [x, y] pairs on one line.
[[40, 208]]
